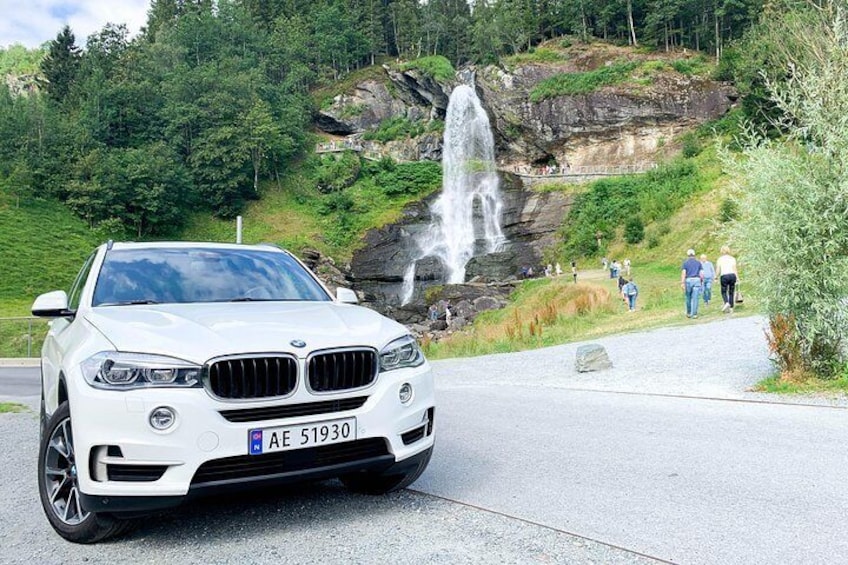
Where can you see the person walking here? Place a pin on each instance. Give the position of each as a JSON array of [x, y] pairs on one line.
[[630, 291], [558, 269], [709, 276], [627, 267], [691, 278], [728, 275], [574, 270]]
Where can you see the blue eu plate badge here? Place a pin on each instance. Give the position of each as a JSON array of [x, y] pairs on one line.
[[255, 442]]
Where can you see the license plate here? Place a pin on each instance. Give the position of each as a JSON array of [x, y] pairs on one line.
[[284, 438]]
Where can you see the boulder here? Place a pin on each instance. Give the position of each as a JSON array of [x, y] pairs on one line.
[[592, 357], [487, 303]]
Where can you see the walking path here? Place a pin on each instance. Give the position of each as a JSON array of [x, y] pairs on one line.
[[722, 359]]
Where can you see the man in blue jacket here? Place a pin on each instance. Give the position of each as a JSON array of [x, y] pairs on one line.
[[691, 279]]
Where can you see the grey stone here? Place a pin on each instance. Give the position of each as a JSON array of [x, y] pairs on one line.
[[486, 303], [438, 325], [592, 357]]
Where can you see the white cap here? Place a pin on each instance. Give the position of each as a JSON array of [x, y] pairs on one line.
[[691, 253]]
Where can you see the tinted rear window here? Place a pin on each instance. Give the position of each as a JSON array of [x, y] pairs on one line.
[[183, 275]]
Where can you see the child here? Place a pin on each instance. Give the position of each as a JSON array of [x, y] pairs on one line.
[[629, 292]]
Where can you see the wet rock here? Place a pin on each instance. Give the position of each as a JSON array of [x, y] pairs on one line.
[[592, 357]]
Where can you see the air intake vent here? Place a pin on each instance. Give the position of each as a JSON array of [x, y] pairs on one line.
[[252, 377], [294, 410], [342, 369]]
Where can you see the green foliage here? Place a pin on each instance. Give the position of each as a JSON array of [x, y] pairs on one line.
[[536, 56], [565, 84], [792, 230], [61, 64], [396, 127], [337, 173], [691, 145], [18, 60], [434, 66], [609, 203], [410, 179], [692, 66], [728, 211], [634, 230], [11, 407]]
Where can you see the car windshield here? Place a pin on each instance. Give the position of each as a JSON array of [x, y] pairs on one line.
[[185, 275]]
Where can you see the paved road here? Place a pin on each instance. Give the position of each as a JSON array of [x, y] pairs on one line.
[[19, 381], [666, 455]]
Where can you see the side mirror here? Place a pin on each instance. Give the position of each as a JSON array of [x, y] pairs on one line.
[[52, 305], [346, 296]]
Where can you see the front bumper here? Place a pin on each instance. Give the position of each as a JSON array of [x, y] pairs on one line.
[[126, 466]]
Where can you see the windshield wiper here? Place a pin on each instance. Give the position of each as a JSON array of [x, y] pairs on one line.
[[249, 299], [130, 303]]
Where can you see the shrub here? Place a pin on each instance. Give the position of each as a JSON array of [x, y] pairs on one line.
[[691, 145], [396, 127], [634, 230], [338, 173], [728, 211], [793, 194]]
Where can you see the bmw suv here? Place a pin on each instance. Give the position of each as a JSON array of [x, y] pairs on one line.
[[175, 370]]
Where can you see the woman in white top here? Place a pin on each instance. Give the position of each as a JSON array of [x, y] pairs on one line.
[[727, 274]]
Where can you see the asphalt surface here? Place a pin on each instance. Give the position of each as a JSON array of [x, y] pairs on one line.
[[667, 455]]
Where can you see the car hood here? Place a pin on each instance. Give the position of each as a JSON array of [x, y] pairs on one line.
[[199, 332]]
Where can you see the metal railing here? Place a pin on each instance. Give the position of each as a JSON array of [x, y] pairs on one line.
[[21, 336]]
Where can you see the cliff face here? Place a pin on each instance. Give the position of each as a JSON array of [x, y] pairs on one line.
[[613, 125], [622, 124]]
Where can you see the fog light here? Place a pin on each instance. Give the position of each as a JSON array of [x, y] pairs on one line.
[[162, 418], [405, 393]]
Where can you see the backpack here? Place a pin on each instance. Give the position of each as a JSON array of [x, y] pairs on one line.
[[632, 290]]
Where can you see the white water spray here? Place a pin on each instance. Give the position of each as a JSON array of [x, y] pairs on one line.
[[468, 176]]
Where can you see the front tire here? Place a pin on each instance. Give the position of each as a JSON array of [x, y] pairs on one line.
[[58, 485], [370, 482]]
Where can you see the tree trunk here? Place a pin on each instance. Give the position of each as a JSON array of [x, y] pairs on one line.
[[630, 23]]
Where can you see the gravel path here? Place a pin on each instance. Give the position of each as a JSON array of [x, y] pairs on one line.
[[722, 359]]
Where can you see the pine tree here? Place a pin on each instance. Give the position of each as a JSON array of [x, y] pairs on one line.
[[61, 64]]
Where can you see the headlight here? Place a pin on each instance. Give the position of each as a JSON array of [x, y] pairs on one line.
[[119, 371], [401, 353]]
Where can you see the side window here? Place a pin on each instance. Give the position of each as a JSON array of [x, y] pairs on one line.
[[76, 289]]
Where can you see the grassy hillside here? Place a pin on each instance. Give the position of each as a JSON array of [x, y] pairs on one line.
[[43, 246]]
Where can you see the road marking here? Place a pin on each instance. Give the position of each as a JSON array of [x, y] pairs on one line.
[[545, 526]]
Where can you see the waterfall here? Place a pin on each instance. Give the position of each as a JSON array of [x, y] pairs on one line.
[[468, 178]]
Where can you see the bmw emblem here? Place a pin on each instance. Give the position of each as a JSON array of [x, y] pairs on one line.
[[298, 343]]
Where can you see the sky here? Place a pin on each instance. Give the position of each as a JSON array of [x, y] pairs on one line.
[[33, 22]]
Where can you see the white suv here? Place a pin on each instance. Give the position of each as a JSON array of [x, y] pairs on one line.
[[173, 370]]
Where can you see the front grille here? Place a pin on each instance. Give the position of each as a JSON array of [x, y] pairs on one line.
[[253, 466], [252, 377], [342, 370], [293, 410], [135, 473]]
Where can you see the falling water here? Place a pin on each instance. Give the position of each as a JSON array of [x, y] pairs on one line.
[[468, 176]]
